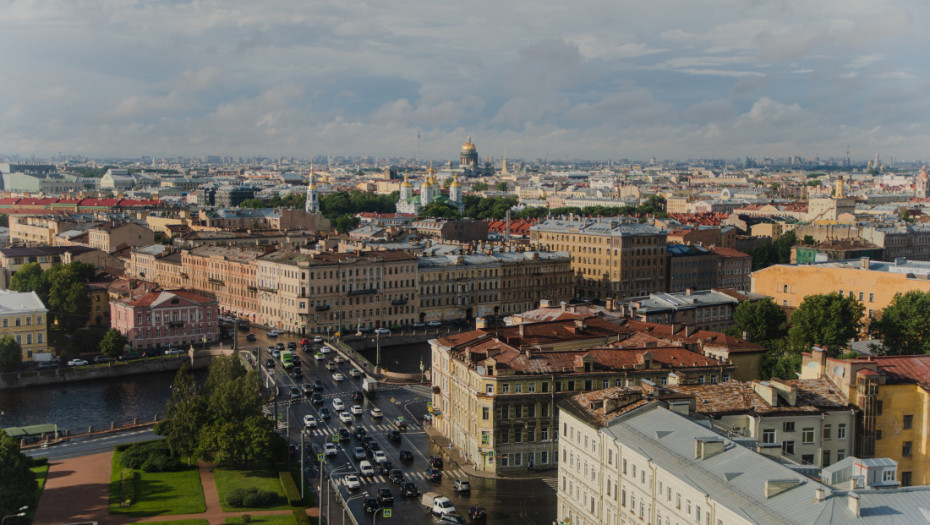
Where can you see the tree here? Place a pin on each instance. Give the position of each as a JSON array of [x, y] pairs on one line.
[[439, 210], [11, 354], [184, 413], [18, 483], [502, 186], [113, 343], [763, 321], [29, 279], [904, 326], [827, 320], [479, 186]]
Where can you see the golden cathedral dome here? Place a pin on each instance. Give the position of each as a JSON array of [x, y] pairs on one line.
[[455, 181], [468, 146]]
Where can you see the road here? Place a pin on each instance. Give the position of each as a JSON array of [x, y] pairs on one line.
[[91, 445], [526, 501]]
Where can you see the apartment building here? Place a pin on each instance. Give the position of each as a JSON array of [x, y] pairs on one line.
[[25, 318], [610, 257], [166, 319], [226, 273], [893, 397], [111, 236], [690, 267], [529, 277], [636, 462], [734, 268], [873, 283], [495, 389], [41, 230], [157, 263], [702, 309]]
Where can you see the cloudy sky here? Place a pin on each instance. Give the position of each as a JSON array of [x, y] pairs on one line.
[[540, 78]]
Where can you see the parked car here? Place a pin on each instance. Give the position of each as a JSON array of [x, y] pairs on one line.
[[101, 359], [382, 331], [352, 482], [366, 469], [273, 333], [409, 489], [406, 457], [419, 325], [309, 421], [78, 362], [174, 351], [385, 498], [461, 486], [452, 519], [434, 324], [250, 337], [396, 476]]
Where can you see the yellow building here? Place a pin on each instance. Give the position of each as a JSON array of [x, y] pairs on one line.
[[891, 393], [25, 318], [873, 283], [610, 257]]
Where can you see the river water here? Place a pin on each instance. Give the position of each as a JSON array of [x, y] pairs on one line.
[[76, 406]]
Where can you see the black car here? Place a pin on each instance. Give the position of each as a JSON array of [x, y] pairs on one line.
[[406, 456], [477, 513], [317, 385], [298, 373], [269, 363], [371, 505], [358, 397], [396, 476], [373, 446], [316, 399], [409, 490], [306, 389], [250, 337], [435, 462], [367, 441], [324, 413], [279, 346], [359, 433], [392, 435], [385, 498], [292, 345], [433, 475], [344, 436], [385, 467]]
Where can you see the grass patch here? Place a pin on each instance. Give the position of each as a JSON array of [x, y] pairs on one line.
[[178, 522], [228, 480], [283, 519], [155, 493], [41, 474]]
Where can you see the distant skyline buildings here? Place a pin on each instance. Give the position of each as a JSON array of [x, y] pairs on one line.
[[671, 79]]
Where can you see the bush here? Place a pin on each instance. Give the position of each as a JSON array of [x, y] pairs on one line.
[[251, 498], [290, 489], [151, 456], [246, 518], [301, 518], [39, 462]]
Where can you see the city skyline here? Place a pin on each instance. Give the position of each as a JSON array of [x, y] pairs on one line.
[[670, 80]]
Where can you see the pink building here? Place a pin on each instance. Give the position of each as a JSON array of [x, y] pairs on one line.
[[163, 319]]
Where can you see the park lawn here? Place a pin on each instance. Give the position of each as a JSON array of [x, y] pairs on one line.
[[41, 474], [228, 480], [177, 522], [158, 493], [282, 519]]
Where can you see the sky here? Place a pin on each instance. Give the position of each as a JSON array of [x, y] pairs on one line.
[[596, 80]]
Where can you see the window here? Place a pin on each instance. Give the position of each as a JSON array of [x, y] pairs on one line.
[[489, 390], [544, 434], [531, 387], [544, 457], [841, 431], [878, 407], [545, 386], [624, 466], [807, 435], [768, 436], [485, 413], [826, 458], [807, 459], [861, 296], [505, 388], [907, 448], [788, 426], [908, 422], [888, 475], [518, 388], [827, 430], [788, 447], [878, 435], [678, 501], [841, 454], [906, 479]]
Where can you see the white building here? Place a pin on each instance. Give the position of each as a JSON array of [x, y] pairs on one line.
[[653, 466]]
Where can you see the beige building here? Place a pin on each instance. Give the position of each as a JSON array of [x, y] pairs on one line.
[[25, 318], [228, 274], [610, 258], [30, 230], [110, 237]]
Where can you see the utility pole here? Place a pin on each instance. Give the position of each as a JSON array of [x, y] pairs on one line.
[[302, 472]]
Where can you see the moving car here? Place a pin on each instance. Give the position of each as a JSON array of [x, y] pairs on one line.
[[337, 377], [359, 433], [78, 362], [461, 486], [379, 456], [331, 366], [409, 489], [400, 422], [316, 399], [435, 462], [250, 337], [366, 469], [357, 396], [317, 339], [319, 356], [273, 333], [396, 476], [326, 349], [309, 421], [306, 389], [356, 410], [359, 453], [371, 505], [452, 519], [317, 384], [345, 417], [292, 345], [339, 359], [298, 372], [295, 393], [385, 467], [406, 457], [352, 482], [330, 449], [393, 435], [344, 435], [338, 405], [325, 413], [354, 373], [376, 413], [477, 513], [385, 498], [269, 363], [434, 475]]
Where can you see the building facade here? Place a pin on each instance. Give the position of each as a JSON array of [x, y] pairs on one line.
[[24, 318], [166, 319], [734, 268]]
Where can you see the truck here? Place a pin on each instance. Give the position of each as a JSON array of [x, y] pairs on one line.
[[370, 387], [287, 359], [437, 504], [43, 357]]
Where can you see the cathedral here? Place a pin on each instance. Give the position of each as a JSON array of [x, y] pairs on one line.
[[922, 186], [430, 191]]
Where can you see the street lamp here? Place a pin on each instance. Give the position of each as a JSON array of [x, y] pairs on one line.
[[346, 506], [21, 513], [332, 476]]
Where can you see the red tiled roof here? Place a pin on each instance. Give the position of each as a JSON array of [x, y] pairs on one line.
[[728, 252], [906, 368]]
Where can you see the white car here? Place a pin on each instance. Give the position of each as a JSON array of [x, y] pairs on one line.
[[174, 351], [339, 359], [366, 469], [434, 324], [273, 333], [338, 376], [354, 373], [77, 362], [356, 410], [376, 413], [338, 405], [309, 421], [317, 339], [325, 349], [379, 456], [319, 356], [382, 331], [352, 482], [330, 450], [345, 417]]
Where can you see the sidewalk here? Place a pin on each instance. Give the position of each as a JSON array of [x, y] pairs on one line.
[[454, 457], [78, 489]]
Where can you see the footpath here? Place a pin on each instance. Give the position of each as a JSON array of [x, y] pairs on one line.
[[78, 489]]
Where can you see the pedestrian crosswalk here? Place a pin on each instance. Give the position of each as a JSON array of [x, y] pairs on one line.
[[412, 476], [371, 429]]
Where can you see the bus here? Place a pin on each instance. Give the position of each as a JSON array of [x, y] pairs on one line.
[[287, 359]]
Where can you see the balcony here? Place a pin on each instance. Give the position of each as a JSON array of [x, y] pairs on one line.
[[398, 302], [322, 307], [367, 291], [176, 324], [218, 282]]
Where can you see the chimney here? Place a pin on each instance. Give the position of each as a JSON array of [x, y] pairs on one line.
[[481, 323], [853, 501], [610, 304], [689, 330], [865, 263], [545, 303], [674, 329], [563, 304], [708, 447], [522, 330], [819, 494], [689, 291], [579, 324]]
